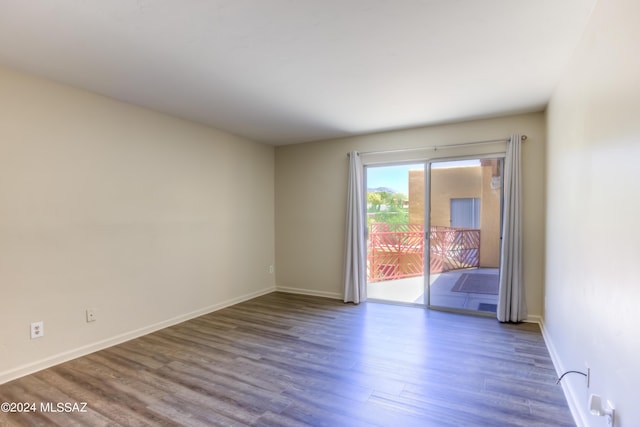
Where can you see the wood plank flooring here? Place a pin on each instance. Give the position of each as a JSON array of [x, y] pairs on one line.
[[291, 360]]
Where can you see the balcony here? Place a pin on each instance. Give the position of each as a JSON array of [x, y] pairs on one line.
[[396, 251], [395, 267]]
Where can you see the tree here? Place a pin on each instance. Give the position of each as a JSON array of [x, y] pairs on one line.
[[385, 206], [374, 201]]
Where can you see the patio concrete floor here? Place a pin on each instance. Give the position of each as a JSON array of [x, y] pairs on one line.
[[411, 290]]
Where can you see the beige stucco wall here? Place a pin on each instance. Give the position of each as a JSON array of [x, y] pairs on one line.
[[146, 218], [490, 218], [446, 184], [416, 196], [462, 182], [311, 197], [452, 183]]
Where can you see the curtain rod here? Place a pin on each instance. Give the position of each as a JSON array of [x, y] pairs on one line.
[[435, 147]]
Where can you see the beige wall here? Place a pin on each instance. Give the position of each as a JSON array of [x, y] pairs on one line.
[[311, 193], [416, 196], [461, 182], [146, 218], [490, 217], [452, 183], [592, 308]]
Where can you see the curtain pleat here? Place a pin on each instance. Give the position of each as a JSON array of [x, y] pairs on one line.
[[511, 301], [355, 279]]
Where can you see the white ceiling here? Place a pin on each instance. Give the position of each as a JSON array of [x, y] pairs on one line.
[[287, 71]]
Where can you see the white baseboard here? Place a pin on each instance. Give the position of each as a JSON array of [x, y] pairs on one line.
[[48, 362], [572, 400], [300, 291], [534, 318]]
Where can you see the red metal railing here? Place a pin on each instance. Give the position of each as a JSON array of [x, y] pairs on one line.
[[397, 250]]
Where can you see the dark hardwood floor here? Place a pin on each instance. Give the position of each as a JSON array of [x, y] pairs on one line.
[[291, 360]]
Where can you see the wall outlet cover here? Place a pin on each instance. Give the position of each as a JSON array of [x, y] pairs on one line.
[[37, 329]]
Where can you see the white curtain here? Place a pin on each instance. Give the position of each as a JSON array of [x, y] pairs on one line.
[[355, 279], [511, 303]]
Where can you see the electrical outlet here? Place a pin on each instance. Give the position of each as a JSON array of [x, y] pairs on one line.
[[37, 329], [271, 269], [91, 315]]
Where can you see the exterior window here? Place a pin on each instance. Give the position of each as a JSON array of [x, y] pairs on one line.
[[465, 213]]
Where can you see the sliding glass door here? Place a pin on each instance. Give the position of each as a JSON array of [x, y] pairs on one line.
[[436, 223], [465, 205]]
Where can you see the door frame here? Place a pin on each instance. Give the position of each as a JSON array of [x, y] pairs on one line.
[[427, 219], [366, 166], [427, 162]]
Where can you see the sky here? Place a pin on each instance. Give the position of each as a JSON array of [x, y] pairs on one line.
[[397, 176]]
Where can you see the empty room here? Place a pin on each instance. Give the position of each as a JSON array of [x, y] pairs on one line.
[[319, 213]]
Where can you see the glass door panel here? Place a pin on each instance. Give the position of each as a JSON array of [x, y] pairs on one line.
[[396, 234], [465, 200]]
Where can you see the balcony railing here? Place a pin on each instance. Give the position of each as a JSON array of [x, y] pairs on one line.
[[396, 251]]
